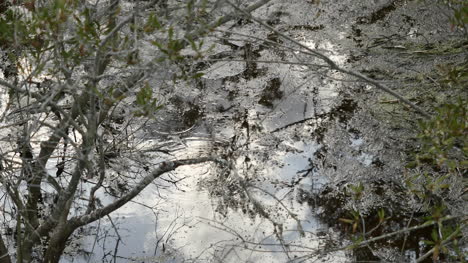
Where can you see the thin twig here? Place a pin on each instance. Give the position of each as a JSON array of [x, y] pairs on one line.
[[431, 251]]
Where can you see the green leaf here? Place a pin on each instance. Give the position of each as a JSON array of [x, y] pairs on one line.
[[170, 33], [345, 220], [144, 95], [152, 24], [381, 214], [198, 75], [435, 235], [427, 242]]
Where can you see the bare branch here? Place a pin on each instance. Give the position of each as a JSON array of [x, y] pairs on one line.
[[164, 167]]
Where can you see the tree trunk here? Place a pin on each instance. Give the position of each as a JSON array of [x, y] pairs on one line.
[[4, 255], [57, 244]]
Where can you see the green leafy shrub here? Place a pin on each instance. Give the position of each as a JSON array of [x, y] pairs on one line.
[[444, 138]]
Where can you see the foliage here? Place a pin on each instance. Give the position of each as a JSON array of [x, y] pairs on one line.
[[444, 148], [460, 12], [148, 105], [436, 174], [444, 138]]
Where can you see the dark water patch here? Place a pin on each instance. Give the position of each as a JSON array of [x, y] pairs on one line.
[[380, 13], [345, 110], [378, 163], [274, 37], [354, 58], [342, 112], [275, 18], [333, 202], [251, 69], [232, 94], [356, 35], [201, 65], [364, 254], [357, 32], [408, 20], [189, 113], [354, 132], [192, 115], [376, 73], [271, 92], [307, 27], [243, 22], [234, 78], [400, 247]]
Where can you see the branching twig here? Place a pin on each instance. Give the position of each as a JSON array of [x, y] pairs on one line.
[[293, 215], [427, 224], [431, 251], [164, 167]]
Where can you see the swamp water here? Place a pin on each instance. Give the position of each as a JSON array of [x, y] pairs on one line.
[[252, 212], [266, 118]]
